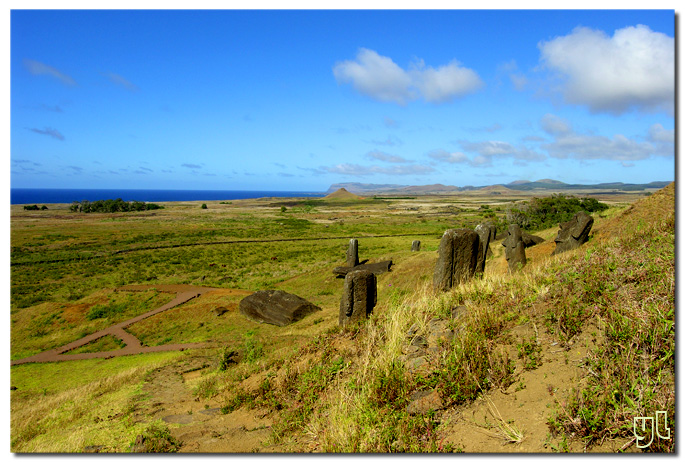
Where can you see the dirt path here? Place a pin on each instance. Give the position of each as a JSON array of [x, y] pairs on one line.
[[133, 345]]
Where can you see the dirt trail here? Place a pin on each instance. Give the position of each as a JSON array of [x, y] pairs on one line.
[[133, 345]]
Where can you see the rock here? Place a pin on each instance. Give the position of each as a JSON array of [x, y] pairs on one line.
[[219, 310], [514, 249], [376, 268], [424, 401], [457, 258], [358, 298], [529, 240], [353, 253], [458, 311], [276, 307], [416, 246], [573, 233]]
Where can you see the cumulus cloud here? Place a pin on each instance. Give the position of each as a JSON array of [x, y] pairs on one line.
[[49, 132], [384, 157], [450, 157], [568, 143], [116, 79], [633, 69], [380, 78], [38, 68]]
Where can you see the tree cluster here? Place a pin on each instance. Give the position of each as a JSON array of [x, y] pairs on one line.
[[111, 206], [35, 207], [546, 212]]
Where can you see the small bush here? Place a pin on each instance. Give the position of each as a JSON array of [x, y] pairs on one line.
[[204, 206], [156, 438]]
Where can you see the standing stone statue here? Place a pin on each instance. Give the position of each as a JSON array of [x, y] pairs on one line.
[[358, 298], [415, 246], [353, 253], [457, 258], [514, 248], [573, 233], [484, 233]]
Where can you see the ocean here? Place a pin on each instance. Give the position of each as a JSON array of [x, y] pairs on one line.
[[67, 196]]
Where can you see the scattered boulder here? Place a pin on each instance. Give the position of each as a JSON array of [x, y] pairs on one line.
[[529, 240], [358, 297], [416, 246], [424, 401], [276, 307], [376, 268], [514, 249], [457, 258], [573, 233], [353, 253]]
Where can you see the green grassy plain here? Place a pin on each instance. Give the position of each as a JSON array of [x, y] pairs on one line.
[[66, 268]]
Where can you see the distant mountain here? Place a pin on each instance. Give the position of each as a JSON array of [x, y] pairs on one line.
[[361, 188], [342, 194]]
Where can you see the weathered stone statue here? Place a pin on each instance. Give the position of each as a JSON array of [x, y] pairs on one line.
[[353, 253], [415, 246], [484, 232], [573, 233], [514, 248], [276, 307], [529, 240], [358, 297], [457, 258]]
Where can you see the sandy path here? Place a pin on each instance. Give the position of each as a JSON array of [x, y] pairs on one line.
[[133, 345]]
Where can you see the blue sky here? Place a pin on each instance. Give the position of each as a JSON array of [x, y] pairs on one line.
[[299, 100]]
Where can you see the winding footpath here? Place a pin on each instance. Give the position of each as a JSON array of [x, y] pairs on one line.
[[133, 345]]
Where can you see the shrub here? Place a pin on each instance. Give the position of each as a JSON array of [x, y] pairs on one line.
[[546, 212], [204, 206]]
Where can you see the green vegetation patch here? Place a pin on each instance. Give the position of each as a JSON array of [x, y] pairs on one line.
[[106, 343]]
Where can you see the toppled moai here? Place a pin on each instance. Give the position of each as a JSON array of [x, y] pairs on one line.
[[415, 246], [529, 240], [457, 258], [485, 233], [276, 307], [353, 253], [573, 233], [514, 248], [358, 297]]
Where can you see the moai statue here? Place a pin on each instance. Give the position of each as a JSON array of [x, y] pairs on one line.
[[484, 233], [358, 297], [514, 248], [415, 246], [573, 233], [457, 258], [353, 253]]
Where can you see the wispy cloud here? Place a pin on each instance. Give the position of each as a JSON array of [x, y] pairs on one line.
[[384, 157], [51, 132], [389, 141], [380, 78], [38, 68], [118, 80], [75, 169], [568, 143], [192, 166], [363, 170], [633, 69], [487, 150], [449, 157]]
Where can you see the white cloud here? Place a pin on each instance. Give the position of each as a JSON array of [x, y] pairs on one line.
[[570, 144], [634, 69], [446, 82], [375, 76], [380, 78], [116, 79], [554, 125], [38, 68], [489, 149]]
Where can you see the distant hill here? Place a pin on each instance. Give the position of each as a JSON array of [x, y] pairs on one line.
[[342, 194], [519, 185]]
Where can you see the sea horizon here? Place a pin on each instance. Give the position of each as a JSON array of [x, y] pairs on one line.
[[23, 196]]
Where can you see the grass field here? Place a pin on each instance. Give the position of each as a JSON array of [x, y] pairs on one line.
[[317, 387]]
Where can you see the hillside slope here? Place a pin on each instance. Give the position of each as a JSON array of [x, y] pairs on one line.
[[559, 357]]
